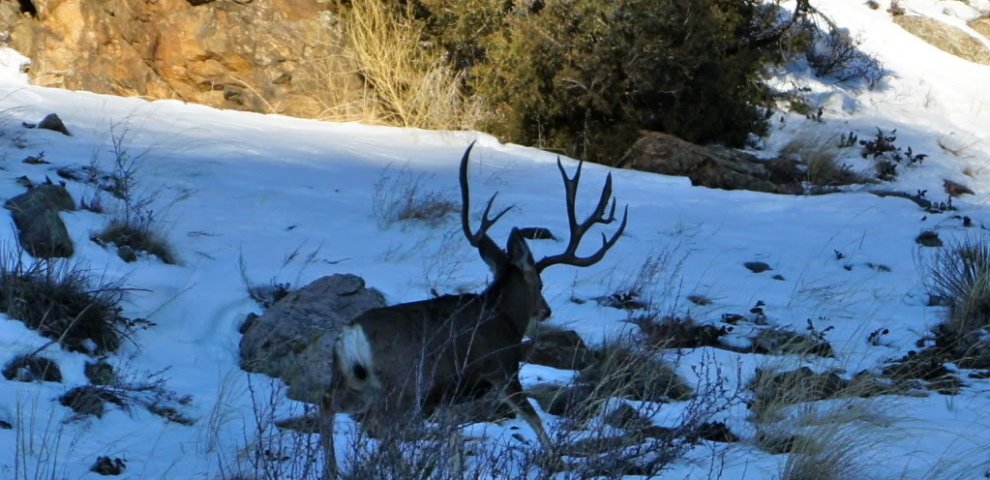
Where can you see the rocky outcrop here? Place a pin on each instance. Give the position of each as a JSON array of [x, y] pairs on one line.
[[713, 167], [293, 339], [258, 55]]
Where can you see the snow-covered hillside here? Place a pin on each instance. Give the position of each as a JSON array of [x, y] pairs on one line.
[[235, 190]]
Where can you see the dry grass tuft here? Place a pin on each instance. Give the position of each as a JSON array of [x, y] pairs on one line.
[[828, 453], [61, 302], [820, 158], [775, 391], [400, 196], [959, 277]]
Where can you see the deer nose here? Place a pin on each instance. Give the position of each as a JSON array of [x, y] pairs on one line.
[[545, 311]]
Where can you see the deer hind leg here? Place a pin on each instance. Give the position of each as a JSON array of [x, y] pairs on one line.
[[326, 437], [517, 400]]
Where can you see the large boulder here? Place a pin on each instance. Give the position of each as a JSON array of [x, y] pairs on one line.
[[260, 55], [41, 231], [713, 167], [293, 339]]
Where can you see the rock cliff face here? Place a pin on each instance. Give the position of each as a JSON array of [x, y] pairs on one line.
[[260, 55]]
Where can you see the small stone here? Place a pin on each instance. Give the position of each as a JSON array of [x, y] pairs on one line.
[[108, 466], [52, 122], [99, 373], [757, 267], [928, 238], [127, 254]]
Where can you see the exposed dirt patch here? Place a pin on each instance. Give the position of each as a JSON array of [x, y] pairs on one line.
[[945, 37]]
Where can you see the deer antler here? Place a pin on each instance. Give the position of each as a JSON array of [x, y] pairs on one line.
[[577, 230], [490, 252]]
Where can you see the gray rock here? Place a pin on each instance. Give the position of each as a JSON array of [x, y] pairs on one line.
[[293, 339], [562, 349], [54, 123], [50, 196], [40, 229]]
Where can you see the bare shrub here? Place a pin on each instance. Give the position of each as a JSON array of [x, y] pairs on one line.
[[658, 278], [61, 302], [400, 196], [271, 450], [411, 83], [604, 434], [135, 225], [40, 439], [145, 389], [415, 450], [835, 53]]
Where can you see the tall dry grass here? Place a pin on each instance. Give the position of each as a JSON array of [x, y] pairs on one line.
[[404, 81]]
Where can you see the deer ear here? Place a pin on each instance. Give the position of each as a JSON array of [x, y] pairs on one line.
[[518, 250], [493, 256]]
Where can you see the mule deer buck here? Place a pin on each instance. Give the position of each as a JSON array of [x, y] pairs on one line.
[[413, 357]]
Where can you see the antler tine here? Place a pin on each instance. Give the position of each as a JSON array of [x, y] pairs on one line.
[[487, 248], [486, 221], [577, 230]]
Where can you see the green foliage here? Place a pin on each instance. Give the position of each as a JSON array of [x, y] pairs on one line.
[[585, 76]]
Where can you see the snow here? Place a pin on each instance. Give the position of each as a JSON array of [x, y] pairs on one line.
[[235, 188]]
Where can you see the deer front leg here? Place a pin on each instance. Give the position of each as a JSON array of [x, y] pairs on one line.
[[517, 400]]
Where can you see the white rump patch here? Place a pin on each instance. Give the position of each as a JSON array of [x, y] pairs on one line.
[[354, 352]]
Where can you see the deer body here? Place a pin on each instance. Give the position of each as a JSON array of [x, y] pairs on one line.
[[418, 356]]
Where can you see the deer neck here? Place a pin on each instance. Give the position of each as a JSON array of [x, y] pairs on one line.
[[513, 312]]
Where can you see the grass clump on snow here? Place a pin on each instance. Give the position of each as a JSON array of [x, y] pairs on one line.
[[626, 371], [136, 233], [61, 302], [829, 452], [400, 196], [820, 159], [959, 278]]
